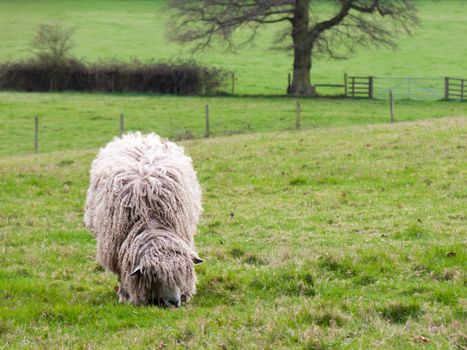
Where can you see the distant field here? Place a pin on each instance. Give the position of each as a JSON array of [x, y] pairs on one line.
[[126, 29], [343, 238], [83, 121]]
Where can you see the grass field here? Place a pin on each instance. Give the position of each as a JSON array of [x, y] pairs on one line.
[[347, 234], [126, 29], [350, 237], [83, 121]]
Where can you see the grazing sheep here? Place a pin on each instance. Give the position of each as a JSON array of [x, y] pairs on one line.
[[142, 206]]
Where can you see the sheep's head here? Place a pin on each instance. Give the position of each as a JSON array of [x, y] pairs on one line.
[[159, 269]]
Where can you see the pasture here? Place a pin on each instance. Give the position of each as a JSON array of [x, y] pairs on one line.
[[128, 29], [348, 237], [349, 233], [75, 121]]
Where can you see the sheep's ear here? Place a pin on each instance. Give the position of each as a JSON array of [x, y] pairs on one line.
[[196, 259], [136, 272]]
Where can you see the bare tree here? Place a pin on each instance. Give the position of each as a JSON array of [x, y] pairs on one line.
[[52, 48], [351, 23], [53, 43]]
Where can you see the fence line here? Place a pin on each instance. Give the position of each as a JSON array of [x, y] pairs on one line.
[[410, 88], [36, 134], [360, 87], [454, 88], [122, 129], [297, 120], [415, 88], [207, 121], [297, 115]]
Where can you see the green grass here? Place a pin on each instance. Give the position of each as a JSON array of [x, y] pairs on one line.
[[126, 29], [347, 234], [83, 121], [349, 237]]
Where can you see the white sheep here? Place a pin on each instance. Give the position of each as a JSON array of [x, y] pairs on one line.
[[142, 206]]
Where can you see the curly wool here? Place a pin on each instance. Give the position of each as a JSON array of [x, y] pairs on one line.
[[151, 245], [141, 180]]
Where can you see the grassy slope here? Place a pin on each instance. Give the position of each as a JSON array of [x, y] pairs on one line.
[[125, 29], [83, 121], [346, 237]]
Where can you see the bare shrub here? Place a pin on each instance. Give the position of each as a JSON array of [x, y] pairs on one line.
[[181, 78], [53, 68], [53, 43]]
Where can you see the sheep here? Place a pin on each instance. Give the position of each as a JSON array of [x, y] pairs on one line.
[[143, 204]]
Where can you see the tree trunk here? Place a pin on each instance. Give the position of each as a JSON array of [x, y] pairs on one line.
[[301, 85]]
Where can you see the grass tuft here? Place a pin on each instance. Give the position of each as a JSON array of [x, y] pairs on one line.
[[411, 232], [65, 162], [298, 181], [400, 312], [236, 252], [254, 259], [343, 267]]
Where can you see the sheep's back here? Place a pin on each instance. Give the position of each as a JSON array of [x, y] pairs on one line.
[[140, 177]]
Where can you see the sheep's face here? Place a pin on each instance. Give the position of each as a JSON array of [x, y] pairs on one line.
[[163, 275]]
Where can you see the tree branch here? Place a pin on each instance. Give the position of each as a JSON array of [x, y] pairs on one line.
[[209, 20], [355, 22]]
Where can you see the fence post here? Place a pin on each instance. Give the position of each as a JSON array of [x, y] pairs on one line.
[[446, 88], [462, 90], [391, 106], [353, 86], [233, 83], [121, 125], [297, 116], [408, 87], [370, 87], [207, 121], [36, 134], [3, 238], [113, 81], [345, 85]]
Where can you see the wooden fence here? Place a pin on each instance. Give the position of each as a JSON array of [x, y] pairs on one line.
[[360, 87], [354, 87], [454, 88], [403, 87]]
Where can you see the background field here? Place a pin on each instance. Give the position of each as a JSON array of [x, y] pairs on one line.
[[348, 237], [126, 29], [86, 121]]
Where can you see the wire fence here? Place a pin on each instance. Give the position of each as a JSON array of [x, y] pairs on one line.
[[402, 88], [232, 118], [410, 88]]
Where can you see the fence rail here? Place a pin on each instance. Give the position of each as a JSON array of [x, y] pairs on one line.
[[454, 88], [410, 88], [360, 87], [413, 88]]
